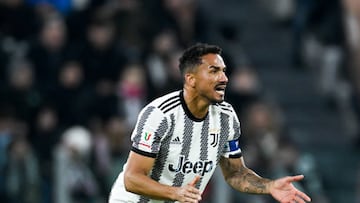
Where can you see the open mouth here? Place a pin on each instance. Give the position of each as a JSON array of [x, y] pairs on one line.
[[220, 89]]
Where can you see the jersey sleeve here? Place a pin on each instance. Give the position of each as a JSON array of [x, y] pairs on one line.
[[149, 131], [232, 146]]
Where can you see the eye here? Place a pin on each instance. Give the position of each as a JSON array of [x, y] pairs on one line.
[[213, 71]]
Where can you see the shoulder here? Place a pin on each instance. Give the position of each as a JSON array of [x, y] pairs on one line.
[[165, 103], [224, 107]]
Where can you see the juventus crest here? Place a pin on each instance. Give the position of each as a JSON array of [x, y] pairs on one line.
[[214, 139]]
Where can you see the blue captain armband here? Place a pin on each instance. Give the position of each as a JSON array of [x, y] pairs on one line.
[[232, 149]]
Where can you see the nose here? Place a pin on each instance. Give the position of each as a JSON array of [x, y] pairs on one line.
[[224, 78]]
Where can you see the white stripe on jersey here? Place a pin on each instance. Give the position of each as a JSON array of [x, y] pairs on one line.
[[181, 145]]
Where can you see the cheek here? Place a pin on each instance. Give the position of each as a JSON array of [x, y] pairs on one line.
[[206, 78], [205, 81], [205, 84]]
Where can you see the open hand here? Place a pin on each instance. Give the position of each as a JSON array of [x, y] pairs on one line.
[[284, 191], [189, 193]]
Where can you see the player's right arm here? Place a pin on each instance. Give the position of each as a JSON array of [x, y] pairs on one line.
[[137, 180]]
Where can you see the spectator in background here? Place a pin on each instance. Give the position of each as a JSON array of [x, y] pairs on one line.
[[101, 158], [74, 179], [44, 136], [187, 18], [264, 128], [133, 20], [244, 89], [48, 52], [319, 43], [101, 57], [174, 80], [132, 92], [116, 129], [102, 60], [164, 44], [71, 96], [22, 169], [21, 90]]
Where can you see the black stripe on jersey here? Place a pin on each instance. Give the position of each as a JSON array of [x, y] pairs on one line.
[[225, 107], [233, 156], [224, 133], [163, 154], [237, 129], [168, 100], [172, 107], [204, 139], [141, 124], [159, 133], [143, 199], [204, 144], [138, 151], [187, 135], [169, 104]]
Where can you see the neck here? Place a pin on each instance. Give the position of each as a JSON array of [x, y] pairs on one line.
[[197, 106]]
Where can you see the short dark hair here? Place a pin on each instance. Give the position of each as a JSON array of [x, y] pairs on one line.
[[192, 56]]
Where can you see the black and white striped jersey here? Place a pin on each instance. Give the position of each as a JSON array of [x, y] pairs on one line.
[[182, 145]]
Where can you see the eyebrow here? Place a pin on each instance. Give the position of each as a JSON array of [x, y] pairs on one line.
[[215, 67]]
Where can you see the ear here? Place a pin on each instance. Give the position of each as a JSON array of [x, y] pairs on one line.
[[190, 79]]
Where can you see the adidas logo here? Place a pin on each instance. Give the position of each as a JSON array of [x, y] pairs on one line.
[[176, 140]]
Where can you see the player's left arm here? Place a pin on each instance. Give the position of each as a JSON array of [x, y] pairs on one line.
[[246, 180], [243, 179]]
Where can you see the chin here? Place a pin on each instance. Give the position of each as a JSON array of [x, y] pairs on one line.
[[215, 101], [215, 98]]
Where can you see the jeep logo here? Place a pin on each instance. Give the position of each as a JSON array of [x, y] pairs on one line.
[[185, 167]]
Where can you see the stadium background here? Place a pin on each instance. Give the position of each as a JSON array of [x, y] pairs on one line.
[[75, 73]]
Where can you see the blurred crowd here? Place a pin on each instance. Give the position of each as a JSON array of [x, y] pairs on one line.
[[326, 41], [75, 73]]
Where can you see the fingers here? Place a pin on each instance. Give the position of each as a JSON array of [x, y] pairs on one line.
[[295, 178], [193, 196], [194, 181], [303, 196], [195, 193], [299, 199], [189, 193], [296, 199], [300, 196]]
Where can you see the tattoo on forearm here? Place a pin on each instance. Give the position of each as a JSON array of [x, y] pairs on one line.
[[256, 183], [249, 182], [246, 180]]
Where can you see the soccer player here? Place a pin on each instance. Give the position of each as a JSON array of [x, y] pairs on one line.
[[181, 137]]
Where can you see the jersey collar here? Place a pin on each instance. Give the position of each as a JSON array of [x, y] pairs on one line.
[[187, 111]]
